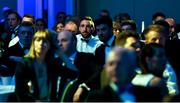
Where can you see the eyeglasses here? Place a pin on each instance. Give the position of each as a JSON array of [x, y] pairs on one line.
[[116, 30]]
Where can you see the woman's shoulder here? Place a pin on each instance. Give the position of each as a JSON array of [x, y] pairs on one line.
[[26, 61]]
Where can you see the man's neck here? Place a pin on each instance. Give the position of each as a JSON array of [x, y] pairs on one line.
[[86, 37]]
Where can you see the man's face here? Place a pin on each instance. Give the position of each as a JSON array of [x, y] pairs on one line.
[[118, 69], [126, 28], [85, 28], [71, 27], [12, 21], [112, 66], [25, 35], [154, 37], [61, 17], [40, 25], [103, 32], [65, 41], [157, 62]]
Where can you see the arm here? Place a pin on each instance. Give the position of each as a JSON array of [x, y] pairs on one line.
[[22, 76], [82, 90]]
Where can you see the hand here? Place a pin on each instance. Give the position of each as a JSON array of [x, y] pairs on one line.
[[77, 95]]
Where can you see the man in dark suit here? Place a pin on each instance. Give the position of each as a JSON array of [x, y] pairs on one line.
[[105, 34], [84, 62], [14, 53]]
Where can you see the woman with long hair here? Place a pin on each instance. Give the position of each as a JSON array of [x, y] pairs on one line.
[[36, 75]]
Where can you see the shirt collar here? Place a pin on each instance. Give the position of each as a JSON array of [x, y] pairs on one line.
[[72, 57], [86, 38], [110, 41], [21, 45]]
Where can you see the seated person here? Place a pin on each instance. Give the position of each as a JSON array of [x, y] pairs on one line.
[[84, 62], [152, 63], [116, 80]]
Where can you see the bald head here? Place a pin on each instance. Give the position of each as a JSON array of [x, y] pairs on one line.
[[120, 65], [67, 42]]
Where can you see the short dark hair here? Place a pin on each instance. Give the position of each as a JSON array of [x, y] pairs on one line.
[[105, 11], [122, 16], [104, 20], [87, 18], [61, 12], [26, 24], [17, 15], [158, 14], [132, 23]]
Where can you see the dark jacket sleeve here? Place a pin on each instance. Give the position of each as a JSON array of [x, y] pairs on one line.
[[100, 55], [22, 78]]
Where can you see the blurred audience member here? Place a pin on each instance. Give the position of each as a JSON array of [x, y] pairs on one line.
[[71, 26], [40, 24], [36, 74], [60, 17], [158, 16], [85, 41], [59, 27]]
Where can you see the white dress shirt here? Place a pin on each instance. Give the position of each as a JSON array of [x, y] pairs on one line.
[[168, 74], [14, 41], [87, 47]]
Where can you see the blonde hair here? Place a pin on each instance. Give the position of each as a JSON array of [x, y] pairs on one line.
[[43, 34]]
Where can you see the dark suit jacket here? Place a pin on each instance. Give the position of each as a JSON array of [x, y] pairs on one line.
[[172, 48], [85, 62], [88, 73], [100, 53], [142, 94], [15, 50], [104, 95], [25, 72]]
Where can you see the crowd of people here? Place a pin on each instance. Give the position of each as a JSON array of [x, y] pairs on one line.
[[86, 60]]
